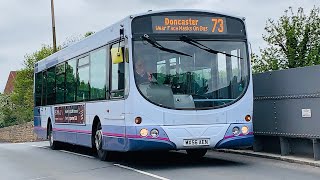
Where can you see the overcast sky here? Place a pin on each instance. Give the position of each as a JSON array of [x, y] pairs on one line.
[[25, 25]]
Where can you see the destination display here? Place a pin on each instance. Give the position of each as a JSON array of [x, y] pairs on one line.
[[189, 24], [70, 114]]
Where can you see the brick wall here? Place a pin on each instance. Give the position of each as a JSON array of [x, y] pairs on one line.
[[18, 133]]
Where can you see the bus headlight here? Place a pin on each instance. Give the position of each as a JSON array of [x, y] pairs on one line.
[[245, 130], [144, 132], [154, 133], [236, 131]]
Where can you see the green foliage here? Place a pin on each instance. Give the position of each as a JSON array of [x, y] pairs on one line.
[[6, 112], [18, 107], [89, 33], [293, 41], [76, 38]]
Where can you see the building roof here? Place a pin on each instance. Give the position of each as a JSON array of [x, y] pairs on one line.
[[10, 83]]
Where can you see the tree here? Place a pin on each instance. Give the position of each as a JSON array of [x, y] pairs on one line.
[[22, 95], [293, 41], [6, 111], [76, 38], [89, 33], [18, 107]]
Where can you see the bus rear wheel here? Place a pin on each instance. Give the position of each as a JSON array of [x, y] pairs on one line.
[[98, 144], [54, 145], [196, 153]]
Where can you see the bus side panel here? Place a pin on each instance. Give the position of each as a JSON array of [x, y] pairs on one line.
[[114, 126], [84, 139], [114, 137], [39, 128]]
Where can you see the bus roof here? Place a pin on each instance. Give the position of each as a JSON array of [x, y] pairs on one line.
[[102, 37], [150, 12]]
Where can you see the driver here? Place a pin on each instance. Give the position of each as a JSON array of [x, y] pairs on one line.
[[141, 75]]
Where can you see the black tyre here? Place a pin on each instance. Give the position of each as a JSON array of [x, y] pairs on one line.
[[98, 144], [53, 144], [196, 153]]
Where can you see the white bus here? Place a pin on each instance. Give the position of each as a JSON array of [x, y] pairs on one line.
[[166, 80]]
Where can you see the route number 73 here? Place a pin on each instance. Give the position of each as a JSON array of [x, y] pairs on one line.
[[218, 22]]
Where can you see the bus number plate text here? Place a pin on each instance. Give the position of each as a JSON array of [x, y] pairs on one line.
[[196, 142]]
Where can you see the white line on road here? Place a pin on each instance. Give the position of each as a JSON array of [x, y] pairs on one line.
[[141, 172], [77, 154], [22, 143], [40, 178], [44, 147]]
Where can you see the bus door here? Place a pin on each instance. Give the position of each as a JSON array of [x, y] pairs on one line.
[[116, 105]]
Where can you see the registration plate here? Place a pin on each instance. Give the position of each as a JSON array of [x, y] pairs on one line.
[[196, 142]]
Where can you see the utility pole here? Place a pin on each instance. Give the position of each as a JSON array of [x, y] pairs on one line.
[[53, 28]]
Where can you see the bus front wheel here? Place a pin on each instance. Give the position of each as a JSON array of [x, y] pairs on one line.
[[98, 142], [196, 153]]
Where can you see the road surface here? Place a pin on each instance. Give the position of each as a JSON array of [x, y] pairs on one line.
[[35, 161]]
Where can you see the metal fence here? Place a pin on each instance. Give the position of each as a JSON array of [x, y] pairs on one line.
[[287, 111]]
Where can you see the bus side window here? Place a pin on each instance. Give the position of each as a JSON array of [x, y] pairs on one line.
[[51, 86], [117, 71], [71, 80], [60, 83], [38, 89], [98, 74], [83, 86]]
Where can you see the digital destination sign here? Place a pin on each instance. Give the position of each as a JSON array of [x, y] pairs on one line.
[[189, 24]]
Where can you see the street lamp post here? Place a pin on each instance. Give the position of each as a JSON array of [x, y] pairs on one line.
[[53, 28]]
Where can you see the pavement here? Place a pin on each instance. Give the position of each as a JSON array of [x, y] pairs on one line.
[[288, 158], [36, 161]]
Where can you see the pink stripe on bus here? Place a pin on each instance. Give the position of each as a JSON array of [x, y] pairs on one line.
[[39, 128], [227, 137], [113, 134], [72, 130], [110, 134], [148, 137]]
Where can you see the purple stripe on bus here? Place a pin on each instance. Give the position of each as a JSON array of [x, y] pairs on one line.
[[39, 128], [110, 134], [113, 134], [71, 130], [228, 137], [148, 137]]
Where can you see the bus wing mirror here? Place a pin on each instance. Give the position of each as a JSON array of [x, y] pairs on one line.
[[116, 55]]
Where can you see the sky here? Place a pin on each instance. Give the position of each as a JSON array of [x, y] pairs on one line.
[[25, 25]]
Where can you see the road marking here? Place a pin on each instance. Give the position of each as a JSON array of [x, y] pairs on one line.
[[44, 147], [141, 172], [83, 155], [40, 178], [21, 143]]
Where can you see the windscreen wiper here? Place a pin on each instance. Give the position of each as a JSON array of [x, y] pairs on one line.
[[193, 42], [155, 44]]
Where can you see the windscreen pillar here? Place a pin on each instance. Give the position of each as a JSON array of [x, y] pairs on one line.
[[316, 149], [285, 146]]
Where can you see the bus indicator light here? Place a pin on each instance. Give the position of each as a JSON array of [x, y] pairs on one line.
[[248, 118], [138, 120]]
